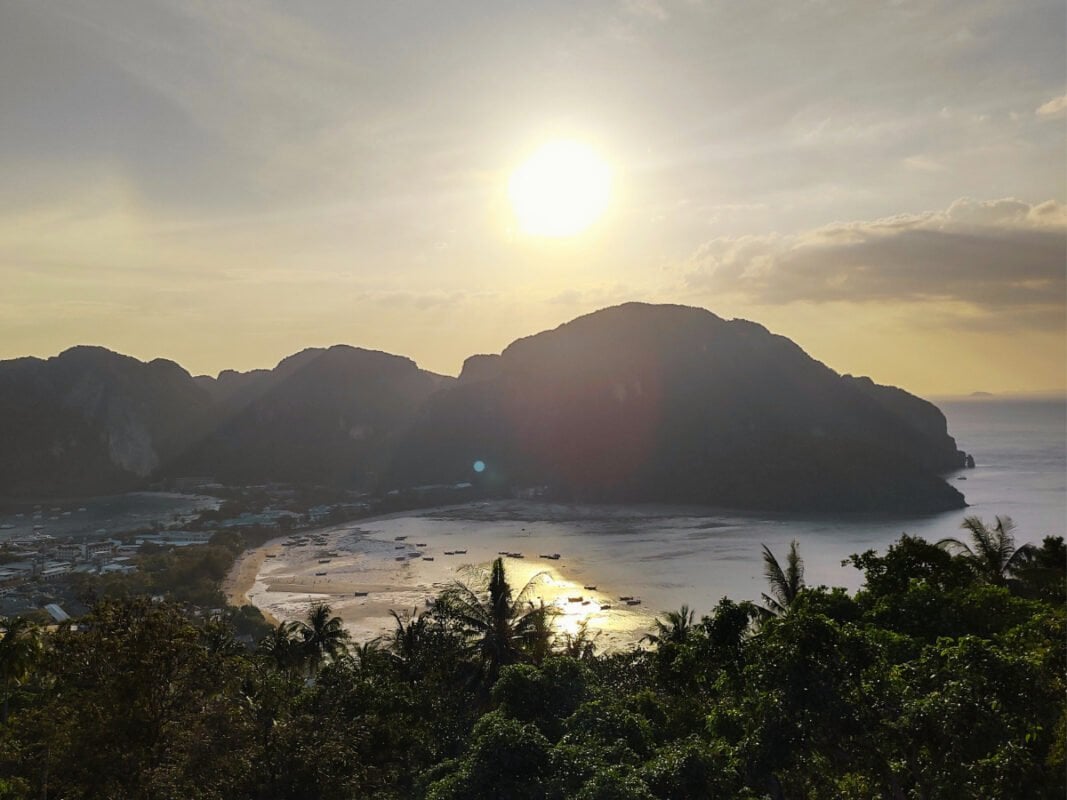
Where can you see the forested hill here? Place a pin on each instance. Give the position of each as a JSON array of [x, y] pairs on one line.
[[632, 403]]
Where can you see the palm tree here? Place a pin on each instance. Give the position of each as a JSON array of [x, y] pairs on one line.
[[674, 628], [785, 584], [322, 637], [366, 654], [500, 627], [20, 648], [411, 641], [992, 553], [580, 644], [282, 648], [540, 638]]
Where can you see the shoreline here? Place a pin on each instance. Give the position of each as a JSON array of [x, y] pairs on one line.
[[365, 571], [244, 572]]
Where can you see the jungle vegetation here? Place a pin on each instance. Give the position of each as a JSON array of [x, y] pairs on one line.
[[944, 677]]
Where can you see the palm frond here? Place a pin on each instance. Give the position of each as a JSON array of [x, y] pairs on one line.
[[992, 553], [785, 584], [954, 546], [772, 571], [530, 585]]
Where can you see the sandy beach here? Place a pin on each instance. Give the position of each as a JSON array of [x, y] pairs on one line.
[[367, 569], [242, 575]]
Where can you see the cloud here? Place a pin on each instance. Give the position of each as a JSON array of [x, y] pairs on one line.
[[1056, 107], [1001, 256]]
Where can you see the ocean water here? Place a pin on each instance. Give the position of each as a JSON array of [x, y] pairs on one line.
[[668, 556], [98, 516]]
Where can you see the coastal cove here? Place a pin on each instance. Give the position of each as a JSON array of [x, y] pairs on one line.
[[665, 556]]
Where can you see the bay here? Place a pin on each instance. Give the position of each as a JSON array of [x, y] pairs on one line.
[[669, 555]]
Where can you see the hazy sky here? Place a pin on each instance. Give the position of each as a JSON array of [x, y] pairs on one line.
[[226, 183]]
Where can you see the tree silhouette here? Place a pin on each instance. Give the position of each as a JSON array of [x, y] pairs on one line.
[[992, 553], [581, 644], [322, 637], [675, 627], [413, 642], [281, 648], [500, 627], [785, 584]]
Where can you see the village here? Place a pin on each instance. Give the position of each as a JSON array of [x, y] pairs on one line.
[[55, 558]]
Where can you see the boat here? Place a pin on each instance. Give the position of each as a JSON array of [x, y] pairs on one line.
[[399, 547], [320, 574], [324, 561], [577, 599], [401, 558], [586, 602], [589, 588], [626, 597], [272, 555], [399, 538], [460, 552], [360, 594], [427, 558], [502, 552], [633, 602], [550, 556], [450, 552], [605, 607], [421, 544], [516, 555]]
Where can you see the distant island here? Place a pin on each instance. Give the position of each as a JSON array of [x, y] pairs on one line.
[[634, 403]]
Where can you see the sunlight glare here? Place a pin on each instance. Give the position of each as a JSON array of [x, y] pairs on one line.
[[560, 190]]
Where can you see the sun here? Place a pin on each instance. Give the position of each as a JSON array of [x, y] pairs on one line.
[[561, 189]]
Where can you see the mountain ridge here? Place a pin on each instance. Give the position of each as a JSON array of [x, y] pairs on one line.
[[633, 402]]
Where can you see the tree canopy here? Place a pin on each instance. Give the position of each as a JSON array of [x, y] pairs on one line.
[[935, 680]]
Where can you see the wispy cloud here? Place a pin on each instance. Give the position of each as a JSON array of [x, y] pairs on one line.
[[1056, 107]]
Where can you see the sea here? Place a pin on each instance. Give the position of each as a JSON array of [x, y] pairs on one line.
[[93, 517], [669, 555]]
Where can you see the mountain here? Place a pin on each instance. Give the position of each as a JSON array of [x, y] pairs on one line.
[[320, 416], [90, 420], [674, 404], [631, 403]]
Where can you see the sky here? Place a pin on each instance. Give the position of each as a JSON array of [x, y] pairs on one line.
[[224, 184]]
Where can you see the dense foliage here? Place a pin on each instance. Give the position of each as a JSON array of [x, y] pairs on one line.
[[941, 678]]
